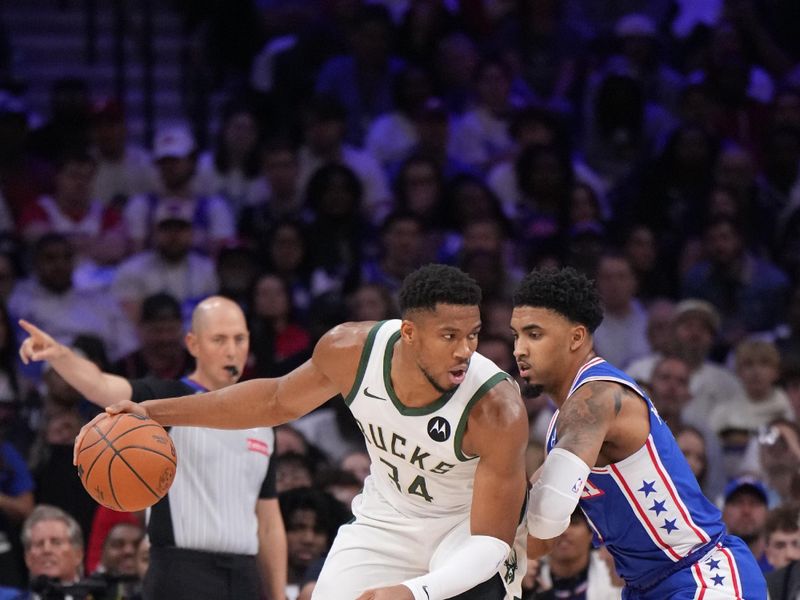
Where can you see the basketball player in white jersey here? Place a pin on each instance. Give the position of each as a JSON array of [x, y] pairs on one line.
[[446, 430]]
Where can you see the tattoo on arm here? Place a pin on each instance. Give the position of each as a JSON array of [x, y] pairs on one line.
[[617, 401]]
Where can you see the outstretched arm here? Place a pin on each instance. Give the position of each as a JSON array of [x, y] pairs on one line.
[[266, 402], [102, 389]]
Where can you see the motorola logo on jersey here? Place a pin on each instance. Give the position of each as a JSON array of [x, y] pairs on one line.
[[439, 429]]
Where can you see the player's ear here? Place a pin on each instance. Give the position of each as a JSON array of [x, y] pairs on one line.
[[408, 330], [578, 336]]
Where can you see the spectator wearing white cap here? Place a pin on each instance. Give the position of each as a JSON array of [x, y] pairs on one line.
[[171, 266], [696, 324], [211, 219]]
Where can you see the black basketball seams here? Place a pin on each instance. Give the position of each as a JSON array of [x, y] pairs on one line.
[[153, 451], [127, 464], [110, 444]]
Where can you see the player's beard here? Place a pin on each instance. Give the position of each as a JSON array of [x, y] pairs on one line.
[[532, 390], [432, 380]]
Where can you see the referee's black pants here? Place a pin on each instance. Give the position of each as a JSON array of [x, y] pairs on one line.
[[180, 574]]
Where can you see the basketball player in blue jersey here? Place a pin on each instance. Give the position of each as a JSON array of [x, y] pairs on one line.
[[609, 452], [441, 513]]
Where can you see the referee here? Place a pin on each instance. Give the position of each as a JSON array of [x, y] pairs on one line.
[[218, 534]]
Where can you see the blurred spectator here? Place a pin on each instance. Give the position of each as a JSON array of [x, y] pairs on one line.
[[69, 120], [118, 568], [745, 514], [544, 177], [171, 266], [401, 250], [278, 342], [334, 430], [9, 271], [372, 302], [237, 269], [693, 447], [95, 231], [455, 65], [105, 519], [422, 24], [284, 200], [143, 557], [233, 170], [419, 189], [293, 471], [655, 270], [123, 169], [212, 221], [639, 52], [311, 518], [50, 300], [784, 584], [481, 136], [777, 455], [9, 378], [51, 455], [53, 546], [782, 532], [749, 292], [287, 255], [161, 352], [621, 337], [23, 176], [342, 485], [758, 368], [324, 143], [669, 391], [119, 550], [392, 135], [337, 234], [362, 79], [573, 569], [357, 463], [696, 323], [16, 503]]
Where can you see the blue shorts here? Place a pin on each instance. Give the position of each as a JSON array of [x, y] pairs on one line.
[[729, 572]]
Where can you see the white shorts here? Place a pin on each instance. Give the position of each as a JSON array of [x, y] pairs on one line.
[[382, 547]]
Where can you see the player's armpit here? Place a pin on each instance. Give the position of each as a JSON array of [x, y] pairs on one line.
[[498, 433], [585, 418]]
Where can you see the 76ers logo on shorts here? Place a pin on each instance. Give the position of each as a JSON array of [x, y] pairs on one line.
[[439, 429]]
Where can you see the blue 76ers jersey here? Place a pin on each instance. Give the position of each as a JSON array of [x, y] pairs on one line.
[[647, 509]]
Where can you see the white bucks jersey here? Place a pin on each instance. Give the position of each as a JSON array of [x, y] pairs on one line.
[[418, 464]]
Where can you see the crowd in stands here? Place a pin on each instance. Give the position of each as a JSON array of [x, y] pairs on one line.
[[654, 145]]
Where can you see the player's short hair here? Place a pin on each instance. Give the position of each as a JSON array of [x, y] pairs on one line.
[[438, 284], [566, 291]]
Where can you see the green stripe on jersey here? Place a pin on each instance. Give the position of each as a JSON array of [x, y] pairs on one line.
[[462, 424], [362, 362], [408, 411]]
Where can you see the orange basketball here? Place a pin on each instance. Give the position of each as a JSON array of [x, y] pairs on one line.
[[127, 462]]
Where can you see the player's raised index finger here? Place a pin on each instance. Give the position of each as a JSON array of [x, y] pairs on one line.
[[31, 328]]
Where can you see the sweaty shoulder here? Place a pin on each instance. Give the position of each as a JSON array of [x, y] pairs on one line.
[[338, 352], [499, 414]]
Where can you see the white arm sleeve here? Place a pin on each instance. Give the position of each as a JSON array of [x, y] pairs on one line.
[[555, 494], [473, 563]]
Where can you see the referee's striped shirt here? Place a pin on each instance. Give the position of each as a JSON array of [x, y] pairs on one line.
[[221, 475]]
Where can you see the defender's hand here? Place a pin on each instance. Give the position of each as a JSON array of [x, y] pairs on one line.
[[124, 406]]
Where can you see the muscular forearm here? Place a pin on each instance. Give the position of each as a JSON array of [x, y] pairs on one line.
[[241, 406]]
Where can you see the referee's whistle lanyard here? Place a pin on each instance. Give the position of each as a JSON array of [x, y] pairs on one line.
[[198, 389]]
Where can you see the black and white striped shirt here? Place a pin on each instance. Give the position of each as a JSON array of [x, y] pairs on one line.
[[221, 475]]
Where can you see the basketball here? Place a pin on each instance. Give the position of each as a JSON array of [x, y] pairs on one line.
[[127, 462]]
